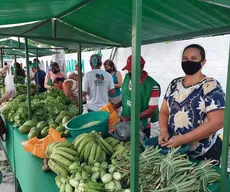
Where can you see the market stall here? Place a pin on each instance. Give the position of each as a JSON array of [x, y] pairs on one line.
[[27, 167]]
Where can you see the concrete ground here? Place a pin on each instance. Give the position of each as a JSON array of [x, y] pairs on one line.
[[7, 184]]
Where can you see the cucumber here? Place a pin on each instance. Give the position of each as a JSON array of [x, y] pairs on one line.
[[24, 129], [33, 133]]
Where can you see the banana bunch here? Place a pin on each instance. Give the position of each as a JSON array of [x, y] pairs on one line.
[[61, 156], [63, 184], [92, 148], [117, 145]]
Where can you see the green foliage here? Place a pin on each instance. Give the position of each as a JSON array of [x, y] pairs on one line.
[[19, 80], [44, 106]]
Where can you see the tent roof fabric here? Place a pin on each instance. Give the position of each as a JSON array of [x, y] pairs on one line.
[[109, 22], [11, 47]]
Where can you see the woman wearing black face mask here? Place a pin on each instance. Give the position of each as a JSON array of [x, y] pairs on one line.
[[193, 109], [52, 75], [117, 79]]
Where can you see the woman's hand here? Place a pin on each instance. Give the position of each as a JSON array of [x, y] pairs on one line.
[[175, 141], [4, 69], [163, 138], [6, 95]]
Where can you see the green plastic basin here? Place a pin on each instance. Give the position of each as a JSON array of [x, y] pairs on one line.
[[75, 124]]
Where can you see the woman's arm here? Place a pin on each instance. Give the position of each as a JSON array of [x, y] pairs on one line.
[[46, 82], [5, 97], [163, 122], [67, 89], [214, 123], [119, 79]]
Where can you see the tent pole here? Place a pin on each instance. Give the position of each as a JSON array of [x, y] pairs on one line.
[[28, 78], [224, 159], [54, 28], [37, 63], [15, 66], [1, 58], [79, 78], [135, 94]]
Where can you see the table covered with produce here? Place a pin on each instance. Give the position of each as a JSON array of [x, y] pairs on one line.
[[45, 157]]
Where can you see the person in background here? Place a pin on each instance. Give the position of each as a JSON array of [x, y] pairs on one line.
[[52, 75], [193, 109], [70, 88], [7, 94], [149, 96], [39, 77], [36, 61], [117, 79], [74, 75], [20, 71], [58, 83], [97, 84]]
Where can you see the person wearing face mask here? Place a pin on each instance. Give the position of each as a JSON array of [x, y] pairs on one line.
[[149, 96], [74, 75], [97, 85], [52, 75], [193, 109], [58, 83], [117, 79]]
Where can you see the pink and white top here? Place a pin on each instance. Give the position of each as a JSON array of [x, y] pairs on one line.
[[52, 76]]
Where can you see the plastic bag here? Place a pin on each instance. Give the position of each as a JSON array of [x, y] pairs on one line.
[[113, 118], [9, 83], [85, 108], [123, 131]]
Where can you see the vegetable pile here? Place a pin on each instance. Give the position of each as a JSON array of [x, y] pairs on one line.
[[41, 129], [45, 107], [171, 172], [92, 163]]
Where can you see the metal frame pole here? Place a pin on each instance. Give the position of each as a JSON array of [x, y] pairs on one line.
[[135, 95], [79, 78], [1, 58], [15, 66], [37, 64], [28, 78], [224, 159]]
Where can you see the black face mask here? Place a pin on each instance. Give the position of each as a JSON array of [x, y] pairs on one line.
[[191, 67], [55, 71], [109, 70]]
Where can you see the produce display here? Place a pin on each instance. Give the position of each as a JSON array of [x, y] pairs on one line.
[[94, 164], [83, 167], [45, 107], [171, 172], [90, 124], [38, 146]]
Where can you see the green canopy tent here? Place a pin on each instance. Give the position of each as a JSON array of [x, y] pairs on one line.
[[122, 23], [18, 47]]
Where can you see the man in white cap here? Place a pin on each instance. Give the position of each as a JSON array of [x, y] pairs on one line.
[[97, 85]]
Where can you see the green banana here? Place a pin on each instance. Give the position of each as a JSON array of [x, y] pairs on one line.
[[114, 142], [92, 154], [87, 150], [120, 150], [61, 159], [64, 154], [98, 154], [68, 150], [57, 168]]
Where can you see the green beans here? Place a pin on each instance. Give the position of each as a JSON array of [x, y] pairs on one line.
[[168, 173]]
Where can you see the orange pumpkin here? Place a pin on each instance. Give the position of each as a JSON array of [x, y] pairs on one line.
[[38, 146]]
